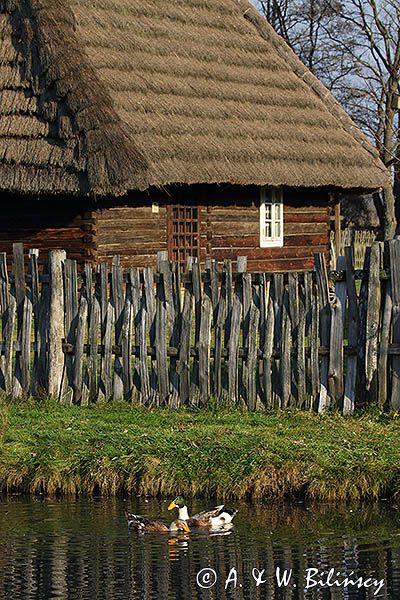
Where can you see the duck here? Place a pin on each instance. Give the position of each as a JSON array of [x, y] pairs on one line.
[[220, 516], [154, 526]]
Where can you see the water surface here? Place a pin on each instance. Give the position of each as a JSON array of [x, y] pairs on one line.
[[83, 550]]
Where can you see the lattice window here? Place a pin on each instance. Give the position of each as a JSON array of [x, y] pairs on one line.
[[271, 218], [184, 233]]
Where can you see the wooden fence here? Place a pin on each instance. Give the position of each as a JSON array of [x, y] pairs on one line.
[[358, 239], [157, 337]]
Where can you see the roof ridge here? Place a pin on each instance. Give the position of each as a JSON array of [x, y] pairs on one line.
[[267, 32], [61, 65]]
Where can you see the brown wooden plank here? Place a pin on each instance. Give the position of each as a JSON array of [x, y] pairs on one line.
[[295, 240]]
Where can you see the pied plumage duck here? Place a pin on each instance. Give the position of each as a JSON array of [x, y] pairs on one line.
[[217, 517], [154, 526]]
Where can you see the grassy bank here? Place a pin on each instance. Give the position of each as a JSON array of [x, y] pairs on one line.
[[114, 448]]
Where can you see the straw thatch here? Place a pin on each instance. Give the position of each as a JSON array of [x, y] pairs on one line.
[[110, 95]]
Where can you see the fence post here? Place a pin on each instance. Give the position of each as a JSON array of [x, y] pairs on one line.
[[56, 323], [394, 250], [325, 327]]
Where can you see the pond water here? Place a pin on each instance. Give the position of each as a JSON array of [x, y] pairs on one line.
[[83, 550]]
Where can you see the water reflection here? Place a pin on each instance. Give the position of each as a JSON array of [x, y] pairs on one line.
[[83, 549]]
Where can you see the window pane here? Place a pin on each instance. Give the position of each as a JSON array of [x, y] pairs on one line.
[[268, 230], [278, 229], [268, 211]]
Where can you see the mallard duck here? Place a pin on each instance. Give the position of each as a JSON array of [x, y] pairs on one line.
[[210, 519], [143, 524]]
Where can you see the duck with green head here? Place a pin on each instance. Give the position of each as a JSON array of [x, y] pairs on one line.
[[144, 524], [219, 516]]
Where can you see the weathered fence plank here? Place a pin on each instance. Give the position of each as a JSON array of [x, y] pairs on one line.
[[372, 324], [150, 304], [186, 328], [23, 310], [349, 399], [161, 333], [117, 300], [56, 323], [77, 381], [394, 252], [338, 312], [71, 319], [35, 297], [267, 323], [325, 327]]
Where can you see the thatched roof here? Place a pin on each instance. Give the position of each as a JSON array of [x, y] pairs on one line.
[[104, 96]]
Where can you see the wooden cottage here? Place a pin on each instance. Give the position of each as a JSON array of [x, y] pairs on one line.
[[132, 126]]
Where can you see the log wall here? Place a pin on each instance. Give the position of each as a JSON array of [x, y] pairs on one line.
[[230, 226], [94, 231], [234, 228], [135, 233], [48, 224]]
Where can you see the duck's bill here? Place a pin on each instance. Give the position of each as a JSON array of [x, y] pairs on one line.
[[186, 528], [172, 505]]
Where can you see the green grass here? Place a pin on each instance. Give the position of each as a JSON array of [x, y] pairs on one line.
[[114, 448]]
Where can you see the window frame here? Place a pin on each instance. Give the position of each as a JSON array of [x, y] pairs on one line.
[[272, 197]]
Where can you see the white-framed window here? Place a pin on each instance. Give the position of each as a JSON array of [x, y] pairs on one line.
[[271, 218]]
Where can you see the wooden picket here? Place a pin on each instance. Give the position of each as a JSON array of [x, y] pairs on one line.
[[158, 337]]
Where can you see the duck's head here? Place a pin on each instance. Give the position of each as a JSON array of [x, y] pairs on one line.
[[177, 503]]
